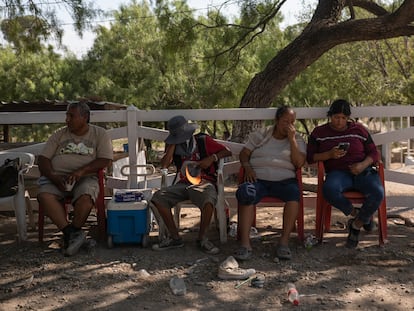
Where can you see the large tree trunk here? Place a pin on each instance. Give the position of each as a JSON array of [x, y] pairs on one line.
[[239, 134], [324, 31]]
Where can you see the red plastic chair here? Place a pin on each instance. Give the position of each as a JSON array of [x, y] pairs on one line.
[[99, 205], [300, 219], [324, 209]]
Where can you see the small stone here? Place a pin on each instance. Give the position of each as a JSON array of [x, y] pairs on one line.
[[143, 274], [177, 286], [358, 290]]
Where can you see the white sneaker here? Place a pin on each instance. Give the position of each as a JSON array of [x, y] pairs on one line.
[[76, 241], [229, 270], [229, 263]]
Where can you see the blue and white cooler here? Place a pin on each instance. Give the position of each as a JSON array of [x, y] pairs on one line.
[[128, 217]]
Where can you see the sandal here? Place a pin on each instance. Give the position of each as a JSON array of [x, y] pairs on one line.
[[243, 253], [283, 252]]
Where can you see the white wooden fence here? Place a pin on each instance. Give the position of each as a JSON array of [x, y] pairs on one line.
[[394, 129]]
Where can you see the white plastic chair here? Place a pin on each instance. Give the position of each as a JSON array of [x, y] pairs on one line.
[[18, 202], [125, 180], [220, 207], [127, 175], [141, 174]]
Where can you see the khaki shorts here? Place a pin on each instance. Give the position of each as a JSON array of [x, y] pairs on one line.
[[200, 195], [86, 185]]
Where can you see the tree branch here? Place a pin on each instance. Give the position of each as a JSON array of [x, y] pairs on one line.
[[252, 31], [368, 6]]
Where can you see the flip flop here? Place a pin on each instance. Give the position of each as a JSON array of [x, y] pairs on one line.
[[283, 252]]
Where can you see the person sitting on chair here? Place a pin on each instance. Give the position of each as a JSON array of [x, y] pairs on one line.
[[270, 159], [348, 153], [72, 156], [186, 150]]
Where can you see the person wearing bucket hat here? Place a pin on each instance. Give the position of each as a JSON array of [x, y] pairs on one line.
[[190, 153], [270, 159], [348, 154], [180, 130]]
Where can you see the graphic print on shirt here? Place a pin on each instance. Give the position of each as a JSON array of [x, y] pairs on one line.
[[73, 148]]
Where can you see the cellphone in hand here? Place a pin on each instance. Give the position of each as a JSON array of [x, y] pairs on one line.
[[343, 146]]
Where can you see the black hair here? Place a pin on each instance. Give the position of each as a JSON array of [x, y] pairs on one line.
[[340, 106], [83, 109], [281, 111]]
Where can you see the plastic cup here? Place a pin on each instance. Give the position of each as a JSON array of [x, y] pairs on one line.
[[69, 186]]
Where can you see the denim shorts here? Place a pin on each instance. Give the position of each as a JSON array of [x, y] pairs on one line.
[[251, 193]]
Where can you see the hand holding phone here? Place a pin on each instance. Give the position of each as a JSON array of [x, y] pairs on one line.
[[343, 146]]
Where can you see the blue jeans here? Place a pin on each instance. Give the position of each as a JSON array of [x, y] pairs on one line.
[[368, 183]]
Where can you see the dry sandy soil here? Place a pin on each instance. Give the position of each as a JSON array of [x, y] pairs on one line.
[[36, 276]]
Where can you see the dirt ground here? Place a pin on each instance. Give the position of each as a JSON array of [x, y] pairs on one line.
[[328, 276]]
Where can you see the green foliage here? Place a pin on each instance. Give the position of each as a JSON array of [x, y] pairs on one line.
[[32, 132], [366, 73], [165, 57], [27, 23], [163, 60], [29, 76], [25, 32]]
